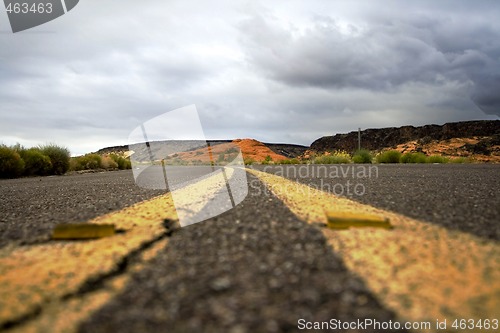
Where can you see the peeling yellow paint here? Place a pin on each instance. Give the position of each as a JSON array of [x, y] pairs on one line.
[[33, 275], [39, 276], [66, 316], [421, 271]]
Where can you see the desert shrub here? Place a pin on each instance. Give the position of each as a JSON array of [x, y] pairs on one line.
[[35, 162], [390, 156], [123, 163], [335, 157], [59, 157], [267, 160], [461, 160], [18, 148], [362, 156], [11, 163], [290, 161], [248, 161], [74, 164], [90, 161], [108, 163], [413, 158], [437, 159]]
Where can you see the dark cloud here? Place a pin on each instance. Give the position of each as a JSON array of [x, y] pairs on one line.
[[382, 57], [291, 71]]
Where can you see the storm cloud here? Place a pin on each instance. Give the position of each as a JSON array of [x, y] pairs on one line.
[[286, 71], [379, 57]]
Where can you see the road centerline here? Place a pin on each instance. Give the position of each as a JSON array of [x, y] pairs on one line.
[[419, 270], [33, 276]]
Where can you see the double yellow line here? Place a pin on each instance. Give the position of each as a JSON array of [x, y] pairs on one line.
[[419, 270], [46, 276], [47, 287]]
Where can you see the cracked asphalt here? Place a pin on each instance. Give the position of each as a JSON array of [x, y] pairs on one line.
[[256, 268]]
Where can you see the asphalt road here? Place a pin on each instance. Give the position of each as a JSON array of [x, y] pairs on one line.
[[257, 267], [30, 207], [464, 197]]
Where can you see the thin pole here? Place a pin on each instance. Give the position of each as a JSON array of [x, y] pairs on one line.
[[359, 138]]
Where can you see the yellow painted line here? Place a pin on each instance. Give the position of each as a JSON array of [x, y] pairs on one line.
[[346, 220], [39, 276], [31, 276], [66, 316], [421, 271], [82, 231]]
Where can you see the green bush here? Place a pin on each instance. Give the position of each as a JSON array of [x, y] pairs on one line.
[[362, 156], [461, 160], [390, 156], [331, 159], [290, 161], [59, 157], [248, 161], [413, 158], [123, 163], [35, 162], [437, 159], [91, 161], [11, 163], [335, 157], [108, 163], [267, 160], [74, 164]]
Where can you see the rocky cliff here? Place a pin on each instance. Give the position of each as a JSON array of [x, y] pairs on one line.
[[391, 137]]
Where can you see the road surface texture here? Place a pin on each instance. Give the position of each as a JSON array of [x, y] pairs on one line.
[[30, 207], [256, 268], [465, 197], [266, 264]]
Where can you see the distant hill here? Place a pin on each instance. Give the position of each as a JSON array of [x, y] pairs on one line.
[[250, 148], [479, 139], [377, 139]]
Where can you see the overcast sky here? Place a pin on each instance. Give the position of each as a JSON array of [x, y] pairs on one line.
[[277, 71]]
